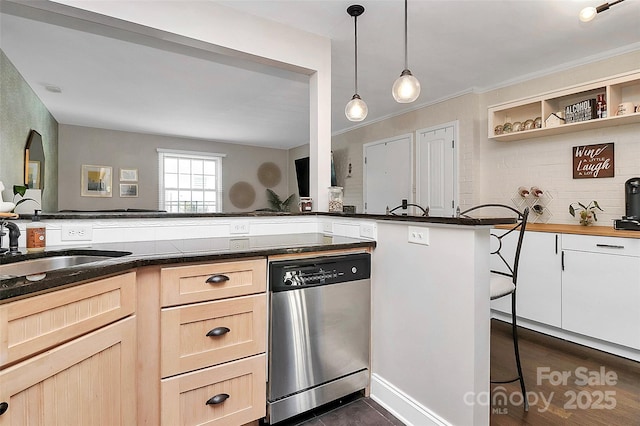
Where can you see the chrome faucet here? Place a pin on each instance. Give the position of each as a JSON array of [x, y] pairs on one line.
[[14, 234]]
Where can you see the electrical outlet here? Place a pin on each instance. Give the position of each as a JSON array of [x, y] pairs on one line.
[[239, 244], [239, 228], [368, 230], [418, 235], [76, 232], [327, 227]]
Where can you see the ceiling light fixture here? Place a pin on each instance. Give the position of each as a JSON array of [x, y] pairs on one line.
[[406, 88], [53, 89], [588, 13], [356, 109]]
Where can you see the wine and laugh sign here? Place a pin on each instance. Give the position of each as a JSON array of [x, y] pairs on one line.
[[593, 161]]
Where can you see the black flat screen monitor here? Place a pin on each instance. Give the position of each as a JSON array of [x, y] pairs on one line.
[[302, 174]]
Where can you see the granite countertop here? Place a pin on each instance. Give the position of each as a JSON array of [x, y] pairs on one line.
[[147, 253], [143, 214]]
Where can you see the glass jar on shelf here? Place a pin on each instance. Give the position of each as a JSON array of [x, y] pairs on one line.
[[335, 199]]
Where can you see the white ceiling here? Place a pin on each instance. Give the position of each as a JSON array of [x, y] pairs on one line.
[[455, 46]]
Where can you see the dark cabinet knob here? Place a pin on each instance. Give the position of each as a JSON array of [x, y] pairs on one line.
[[218, 331], [218, 399], [217, 279], [4, 406]]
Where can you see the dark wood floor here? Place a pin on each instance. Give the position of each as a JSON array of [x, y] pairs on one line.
[[609, 401], [612, 398]]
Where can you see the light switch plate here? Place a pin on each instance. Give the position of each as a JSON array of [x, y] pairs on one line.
[[418, 235]]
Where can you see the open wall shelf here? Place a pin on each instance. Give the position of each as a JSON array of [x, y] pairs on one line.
[[617, 89]]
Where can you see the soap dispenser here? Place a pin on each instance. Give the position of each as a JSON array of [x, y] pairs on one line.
[[36, 234]]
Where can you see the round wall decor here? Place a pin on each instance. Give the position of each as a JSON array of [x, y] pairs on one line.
[[269, 174], [242, 195]]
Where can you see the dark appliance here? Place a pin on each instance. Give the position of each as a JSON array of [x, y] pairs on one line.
[[319, 327], [302, 174], [631, 220]]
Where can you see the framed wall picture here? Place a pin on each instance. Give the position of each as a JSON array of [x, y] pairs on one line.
[[96, 181], [128, 175], [128, 190], [593, 161]]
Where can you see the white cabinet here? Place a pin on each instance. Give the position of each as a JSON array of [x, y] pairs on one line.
[[539, 291], [601, 288]]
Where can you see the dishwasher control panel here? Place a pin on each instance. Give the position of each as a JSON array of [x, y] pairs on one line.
[[294, 274]]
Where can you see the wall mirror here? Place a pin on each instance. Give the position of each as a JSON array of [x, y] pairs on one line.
[[121, 76], [34, 161]]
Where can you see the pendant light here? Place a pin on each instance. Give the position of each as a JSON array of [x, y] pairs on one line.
[[356, 109], [406, 88], [588, 13]]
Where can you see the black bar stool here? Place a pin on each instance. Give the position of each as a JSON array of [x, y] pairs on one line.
[[505, 283]]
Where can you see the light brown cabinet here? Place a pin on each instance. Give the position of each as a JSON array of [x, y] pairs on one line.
[[90, 379], [616, 89], [213, 342]]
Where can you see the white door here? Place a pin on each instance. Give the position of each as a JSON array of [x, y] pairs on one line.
[[436, 174], [387, 173]]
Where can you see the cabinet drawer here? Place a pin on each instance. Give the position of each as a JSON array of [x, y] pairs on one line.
[[608, 245], [199, 283], [185, 397], [239, 322], [40, 322]]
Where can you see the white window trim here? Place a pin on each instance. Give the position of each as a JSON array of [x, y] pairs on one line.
[[189, 154]]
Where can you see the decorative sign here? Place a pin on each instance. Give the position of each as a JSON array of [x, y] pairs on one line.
[[581, 111], [593, 161]]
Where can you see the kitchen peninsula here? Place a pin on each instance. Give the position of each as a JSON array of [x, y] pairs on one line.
[[412, 283]]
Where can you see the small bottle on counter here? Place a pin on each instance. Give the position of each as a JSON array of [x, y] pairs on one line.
[[36, 234]]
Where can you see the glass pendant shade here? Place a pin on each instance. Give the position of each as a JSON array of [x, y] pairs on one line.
[[356, 109], [406, 88]]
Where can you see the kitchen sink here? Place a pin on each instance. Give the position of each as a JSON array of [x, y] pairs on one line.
[[51, 263]]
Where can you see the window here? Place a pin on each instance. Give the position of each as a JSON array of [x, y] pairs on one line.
[[190, 182]]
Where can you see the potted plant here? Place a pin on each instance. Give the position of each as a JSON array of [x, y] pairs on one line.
[[276, 204], [587, 213]]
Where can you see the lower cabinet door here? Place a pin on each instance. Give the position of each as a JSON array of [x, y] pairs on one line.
[[600, 296], [87, 381], [230, 394]]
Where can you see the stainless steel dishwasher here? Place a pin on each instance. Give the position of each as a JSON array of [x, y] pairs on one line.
[[319, 332]]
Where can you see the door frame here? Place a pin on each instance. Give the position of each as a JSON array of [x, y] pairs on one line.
[[456, 160], [412, 160]]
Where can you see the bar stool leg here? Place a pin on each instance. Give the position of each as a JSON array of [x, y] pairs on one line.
[[516, 350]]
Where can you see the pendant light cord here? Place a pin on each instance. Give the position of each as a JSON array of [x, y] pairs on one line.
[[355, 26], [406, 60]]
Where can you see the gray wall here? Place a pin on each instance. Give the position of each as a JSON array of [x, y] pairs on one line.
[[84, 145], [20, 111]]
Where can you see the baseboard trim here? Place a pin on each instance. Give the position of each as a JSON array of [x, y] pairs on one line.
[[612, 348], [402, 406]]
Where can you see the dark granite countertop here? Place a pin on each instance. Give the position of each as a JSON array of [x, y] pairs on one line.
[[141, 214], [147, 253]]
